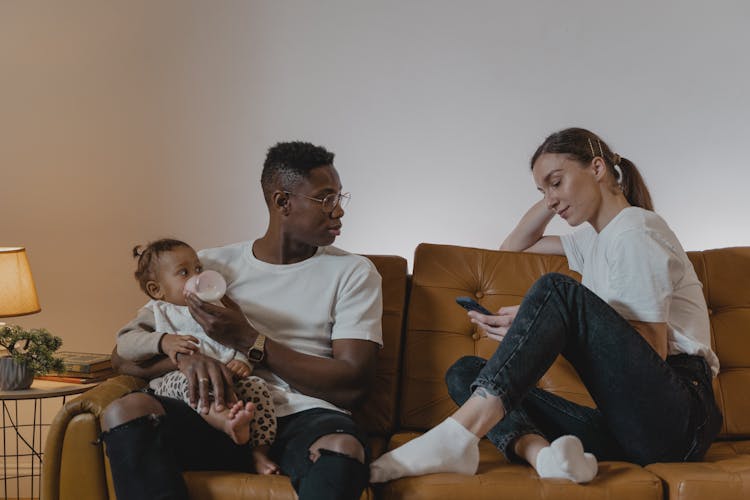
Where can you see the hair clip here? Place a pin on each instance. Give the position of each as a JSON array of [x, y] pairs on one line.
[[591, 146]]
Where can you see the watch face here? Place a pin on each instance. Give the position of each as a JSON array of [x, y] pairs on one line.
[[255, 355]]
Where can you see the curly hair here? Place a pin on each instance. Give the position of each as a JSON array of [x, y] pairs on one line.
[[147, 256], [287, 163]]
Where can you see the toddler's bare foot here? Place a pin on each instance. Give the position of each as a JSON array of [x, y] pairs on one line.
[[239, 369], [263, 464], [238, 422]]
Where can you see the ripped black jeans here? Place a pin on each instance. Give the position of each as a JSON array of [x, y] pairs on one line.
[[148, 455], [648, 410]]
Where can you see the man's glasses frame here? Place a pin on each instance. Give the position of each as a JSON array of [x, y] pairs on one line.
[[329, 202]]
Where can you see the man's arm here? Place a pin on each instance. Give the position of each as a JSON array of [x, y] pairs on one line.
[[196, 367], [342, 380], [139, 339], [148, 369]]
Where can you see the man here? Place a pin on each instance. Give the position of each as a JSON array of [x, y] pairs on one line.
[[306, 313]]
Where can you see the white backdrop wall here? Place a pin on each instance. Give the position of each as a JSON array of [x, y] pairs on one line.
[[125, 121]]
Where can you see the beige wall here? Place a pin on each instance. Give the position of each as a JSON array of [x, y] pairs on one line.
[[123, 121]]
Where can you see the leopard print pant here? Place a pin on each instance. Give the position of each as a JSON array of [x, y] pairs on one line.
[[253, 389]]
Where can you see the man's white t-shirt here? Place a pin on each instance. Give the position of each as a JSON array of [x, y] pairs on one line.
[[304, 306], [637, 265]]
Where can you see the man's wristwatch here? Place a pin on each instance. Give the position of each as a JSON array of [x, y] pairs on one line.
[[257, 351]]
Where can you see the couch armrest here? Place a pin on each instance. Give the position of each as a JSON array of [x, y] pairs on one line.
[[71, 449]]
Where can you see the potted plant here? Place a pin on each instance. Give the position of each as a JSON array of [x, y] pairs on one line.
[[30, 352]]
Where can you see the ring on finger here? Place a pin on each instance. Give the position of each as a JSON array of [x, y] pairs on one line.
[[203, 380]]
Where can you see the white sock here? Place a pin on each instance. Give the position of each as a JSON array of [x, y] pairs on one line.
[[449, 447], [565, 459]]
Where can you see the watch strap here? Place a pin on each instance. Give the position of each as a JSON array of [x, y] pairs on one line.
[[257, 351]]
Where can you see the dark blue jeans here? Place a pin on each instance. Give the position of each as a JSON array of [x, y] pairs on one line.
[[148, 455], [648, 410]]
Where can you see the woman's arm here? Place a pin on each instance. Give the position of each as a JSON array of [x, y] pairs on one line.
[[528, 235]]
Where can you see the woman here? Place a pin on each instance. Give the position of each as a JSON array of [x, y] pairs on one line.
[[636, 330]]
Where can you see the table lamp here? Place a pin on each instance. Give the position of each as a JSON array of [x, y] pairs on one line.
[[17, 291]]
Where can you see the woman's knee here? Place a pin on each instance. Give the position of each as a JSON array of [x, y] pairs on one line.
[[128, 408], [550, 279], [345, 444]]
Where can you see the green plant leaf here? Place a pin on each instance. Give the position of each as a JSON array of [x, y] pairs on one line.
[[33, 348]]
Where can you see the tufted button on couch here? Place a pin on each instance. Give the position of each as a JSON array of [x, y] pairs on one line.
[[424, 334]]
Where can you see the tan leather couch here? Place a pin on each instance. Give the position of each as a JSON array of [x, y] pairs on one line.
[[410, 395]]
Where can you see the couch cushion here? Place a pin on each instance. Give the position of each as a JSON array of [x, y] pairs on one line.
[[725, 274], [496, 478], [377, 414], [438, 331], [723, 474], [218, 485]]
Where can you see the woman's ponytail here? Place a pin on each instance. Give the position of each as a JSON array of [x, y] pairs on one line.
[[633, 186]]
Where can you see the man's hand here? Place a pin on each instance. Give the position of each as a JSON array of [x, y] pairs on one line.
[[227, 325], [171, 344], [496, 325], [206, 375]]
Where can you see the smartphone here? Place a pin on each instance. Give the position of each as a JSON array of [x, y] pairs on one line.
[[472, 305]]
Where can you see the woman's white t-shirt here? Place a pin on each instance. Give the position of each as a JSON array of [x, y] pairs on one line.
[[637, 265]]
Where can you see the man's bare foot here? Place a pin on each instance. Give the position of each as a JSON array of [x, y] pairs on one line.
[[263, 464], [237, 424]]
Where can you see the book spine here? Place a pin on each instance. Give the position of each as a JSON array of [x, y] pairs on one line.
[[69, 380], [98, 373], [82, 368]]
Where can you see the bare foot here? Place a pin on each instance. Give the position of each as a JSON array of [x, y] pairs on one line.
[[239, 369], [238, 419], [263, 464]]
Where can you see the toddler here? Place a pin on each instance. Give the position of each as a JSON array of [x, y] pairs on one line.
[[164, 266]]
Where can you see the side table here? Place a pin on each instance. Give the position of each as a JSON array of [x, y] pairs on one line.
[[22, 428]]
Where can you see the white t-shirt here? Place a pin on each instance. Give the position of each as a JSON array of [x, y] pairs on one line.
[[637, 265], [304, 306], [139, 345], [172, 318]]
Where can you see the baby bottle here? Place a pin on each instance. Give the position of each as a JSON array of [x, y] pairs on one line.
[[209, 286]]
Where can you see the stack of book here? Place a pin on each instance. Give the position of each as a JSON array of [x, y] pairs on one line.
[[82, 368]]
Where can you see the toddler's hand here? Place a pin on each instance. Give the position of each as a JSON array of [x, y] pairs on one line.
[[171, 344], [239, 368]]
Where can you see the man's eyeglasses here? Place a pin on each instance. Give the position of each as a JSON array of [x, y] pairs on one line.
[[329, 202]]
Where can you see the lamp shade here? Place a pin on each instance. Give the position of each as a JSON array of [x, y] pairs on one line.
[[17, 290]]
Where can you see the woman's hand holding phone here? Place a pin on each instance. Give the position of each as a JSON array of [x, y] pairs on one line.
[[494, 325]]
